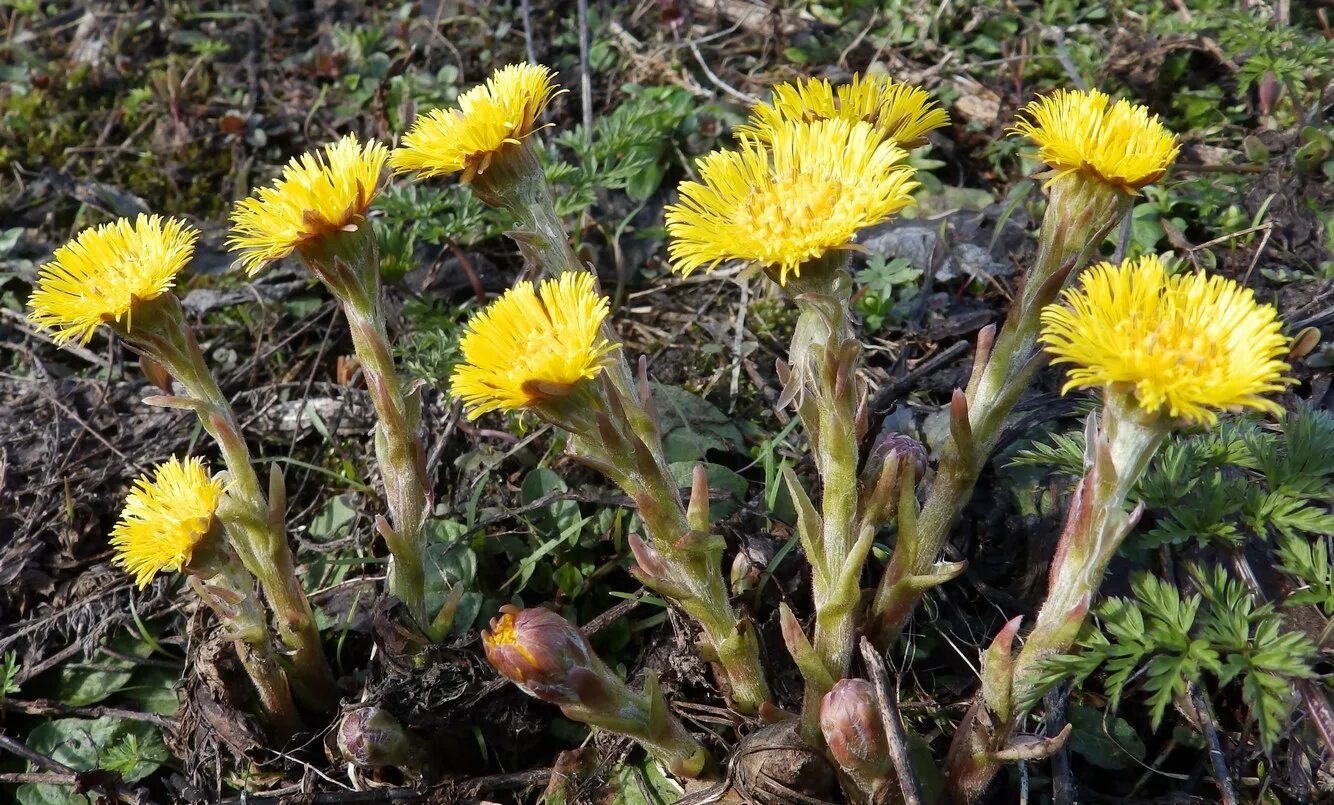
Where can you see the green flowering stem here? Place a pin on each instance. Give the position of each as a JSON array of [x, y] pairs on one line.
[[1117, 453], [625, 442], [681, 560], [349, 266], [225, 586], [1080, 214], [1097, 524], [642, 716], [517, 184], [821, 383], [255, 522]]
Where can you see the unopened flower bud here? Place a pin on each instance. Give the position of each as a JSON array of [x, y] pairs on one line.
[[539, 651], [550, 659], [887, 469], [892, 444], [850, 722], [372, 738]]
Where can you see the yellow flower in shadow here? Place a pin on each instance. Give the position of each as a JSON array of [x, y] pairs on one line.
[[164, 518]]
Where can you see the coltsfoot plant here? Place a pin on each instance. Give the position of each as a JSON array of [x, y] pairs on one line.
[[812, 168], [120, 275]]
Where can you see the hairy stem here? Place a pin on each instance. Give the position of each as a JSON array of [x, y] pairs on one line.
[[1080, 214], [349, 266], [225, 586], [257, 530], [636, 461], [1096, 524]]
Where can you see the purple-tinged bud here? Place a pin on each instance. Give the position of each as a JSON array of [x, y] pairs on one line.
[[550, 659], [899, 445], [851, 725], [539, 650], [1270, 91], [372, 738], [892, 458]]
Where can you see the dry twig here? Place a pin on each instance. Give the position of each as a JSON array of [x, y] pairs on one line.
[[894, 731]]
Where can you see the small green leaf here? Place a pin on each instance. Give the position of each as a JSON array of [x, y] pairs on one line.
[[643, 783], [134, 748], [1108, 742], [154, 690], [568, 579], [692, 426], [79, 687]]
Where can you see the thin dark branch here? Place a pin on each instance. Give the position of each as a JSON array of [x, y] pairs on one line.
[[514, 781], [894, 731], [37, 778], [610, 616], [1062, 780], [887, 395], [1318, 710], [46, 707], [372, 797], [1217, 759], [107, 784], [36, 758], [459, 791]]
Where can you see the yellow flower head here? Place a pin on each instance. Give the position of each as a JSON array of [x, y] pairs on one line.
[[1188, 344], [1119, 143], [165, 518], [900, 112], [317, 195], [532, 344], [100, 275], [489, 117], [806, 192]]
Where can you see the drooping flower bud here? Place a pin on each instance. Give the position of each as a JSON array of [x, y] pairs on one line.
[[372, 738], [549, 658], [850, 722], [539, 651]]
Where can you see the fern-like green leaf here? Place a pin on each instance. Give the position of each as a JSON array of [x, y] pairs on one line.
[[1063, 456]]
